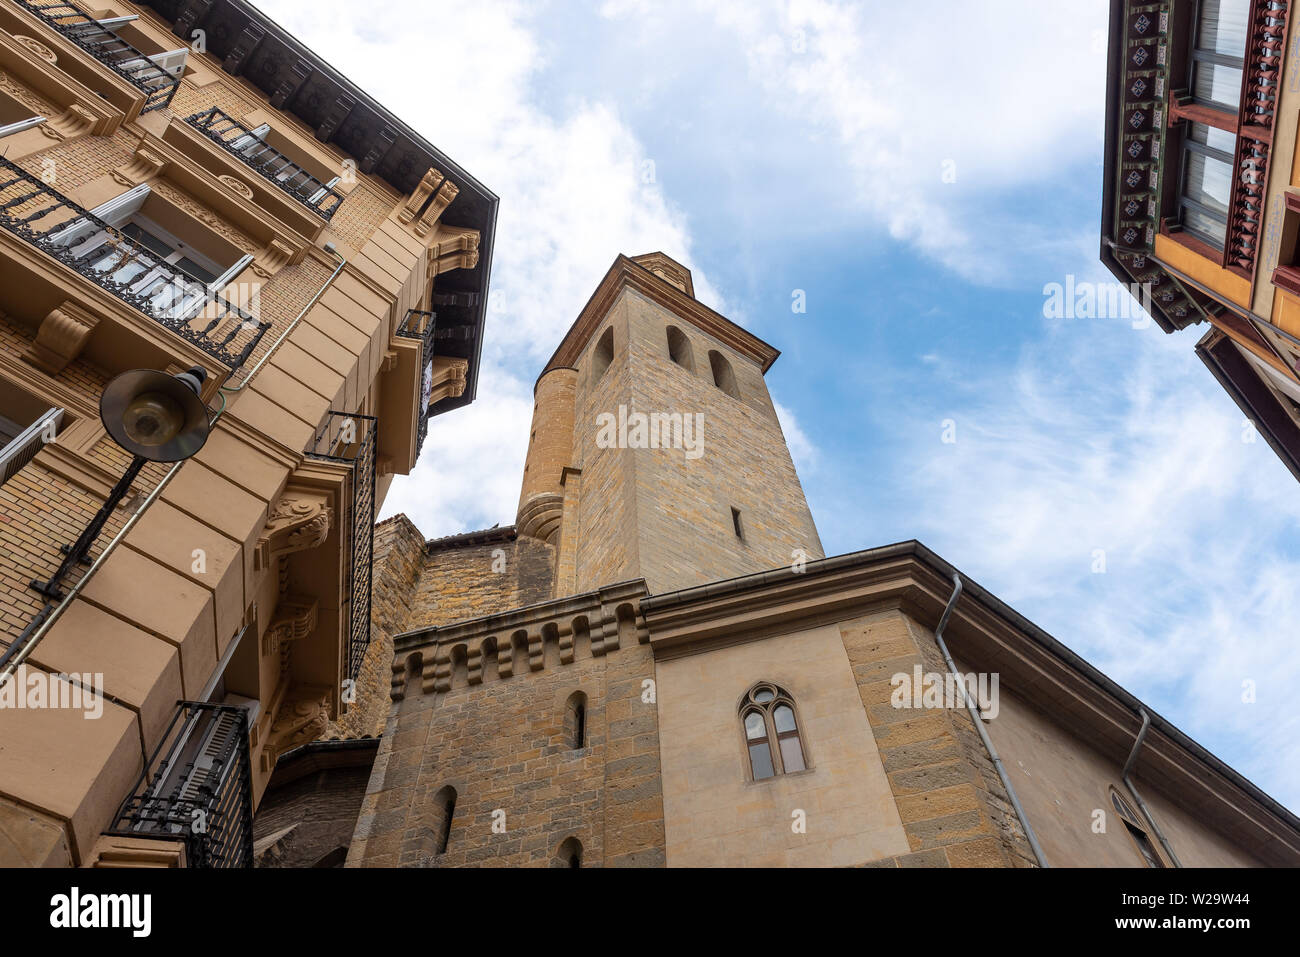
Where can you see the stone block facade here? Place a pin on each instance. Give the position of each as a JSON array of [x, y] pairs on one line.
[[954, 809]]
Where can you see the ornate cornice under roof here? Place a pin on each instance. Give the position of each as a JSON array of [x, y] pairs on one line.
[[1137, 78], [628, 274], [298, 81]]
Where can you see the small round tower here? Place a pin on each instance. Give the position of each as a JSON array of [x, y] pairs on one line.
[[550, 446]]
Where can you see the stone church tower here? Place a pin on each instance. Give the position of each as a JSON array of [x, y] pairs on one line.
[[719, 499], [655, 665]]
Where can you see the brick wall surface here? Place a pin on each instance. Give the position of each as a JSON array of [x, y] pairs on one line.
[[41, 509]]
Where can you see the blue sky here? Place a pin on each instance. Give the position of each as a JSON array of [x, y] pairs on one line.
[[921, 180]]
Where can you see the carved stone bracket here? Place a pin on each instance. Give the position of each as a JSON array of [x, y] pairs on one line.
[[415, 202], [61, 337], [273, 257], [295, 618], [455, 252], [302, 718], [300, 519], [75, 121], [446, 193], [145, 165], [449, 378]]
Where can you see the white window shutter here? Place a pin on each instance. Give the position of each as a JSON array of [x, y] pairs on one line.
[[173, 61], [24, 448]]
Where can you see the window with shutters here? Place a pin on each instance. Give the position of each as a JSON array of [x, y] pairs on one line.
[[27, 423]]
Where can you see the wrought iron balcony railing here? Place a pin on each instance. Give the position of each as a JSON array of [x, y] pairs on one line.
[[420, 325], [59, 227], [197, 788], [350, 439], [108, 48], [243, 143]]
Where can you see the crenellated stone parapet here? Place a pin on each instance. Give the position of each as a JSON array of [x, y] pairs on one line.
[[533, 639]]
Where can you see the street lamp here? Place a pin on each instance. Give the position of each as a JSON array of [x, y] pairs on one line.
[[157, 418]]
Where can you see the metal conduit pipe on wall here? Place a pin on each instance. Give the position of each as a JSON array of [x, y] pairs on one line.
[[979, 727], [1128, 783]]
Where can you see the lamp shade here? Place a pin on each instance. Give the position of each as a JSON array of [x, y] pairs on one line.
[[156, 416]]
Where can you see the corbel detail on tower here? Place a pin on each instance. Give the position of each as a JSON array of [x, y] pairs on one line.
[[516, 642]]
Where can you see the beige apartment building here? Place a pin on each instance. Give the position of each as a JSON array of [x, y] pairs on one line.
[[184, 185], [656, 665]]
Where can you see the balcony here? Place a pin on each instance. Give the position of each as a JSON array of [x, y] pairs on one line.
[[253, 151], [350, 440], [57, 226], [420, 325], [108, 48], [197, 788]]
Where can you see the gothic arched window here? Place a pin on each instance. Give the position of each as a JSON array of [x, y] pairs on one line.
[[770, 726]]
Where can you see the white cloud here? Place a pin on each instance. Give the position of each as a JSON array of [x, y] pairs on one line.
[[1113, 445], [469, 473], [930, 110], [1100, 438], [574, 194]]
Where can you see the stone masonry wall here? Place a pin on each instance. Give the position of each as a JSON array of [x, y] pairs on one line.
[[952, 804], [684, 523], [317, 812], [415, 589], [654, 513], [504, 745]]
